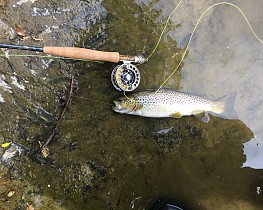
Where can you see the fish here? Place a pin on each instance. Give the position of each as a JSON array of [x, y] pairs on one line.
[[170, 103]]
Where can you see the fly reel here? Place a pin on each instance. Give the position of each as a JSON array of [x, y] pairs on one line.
[[126, 77]]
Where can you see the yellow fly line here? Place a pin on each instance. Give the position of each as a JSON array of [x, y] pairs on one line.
[[165, 26], [197, 23], [161, 35]]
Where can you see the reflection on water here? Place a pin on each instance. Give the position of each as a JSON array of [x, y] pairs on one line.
[[226, 57], [104, 160]]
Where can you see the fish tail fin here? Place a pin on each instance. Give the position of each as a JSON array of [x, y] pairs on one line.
[[226, 106]]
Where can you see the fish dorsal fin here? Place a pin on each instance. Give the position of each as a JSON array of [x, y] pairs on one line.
[[201, 115], [176, 115]]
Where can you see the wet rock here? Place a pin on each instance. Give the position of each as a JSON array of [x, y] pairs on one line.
[[194, 131], [167, 140], [12, 151], [2, 3], [71, 146], [15, 172], [6, 31]]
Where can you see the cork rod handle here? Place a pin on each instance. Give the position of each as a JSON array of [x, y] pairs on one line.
[[82, 53]]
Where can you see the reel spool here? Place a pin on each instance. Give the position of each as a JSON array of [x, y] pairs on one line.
[[125, 77]]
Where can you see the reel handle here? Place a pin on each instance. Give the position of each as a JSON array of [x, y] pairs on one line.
[[82, 53]]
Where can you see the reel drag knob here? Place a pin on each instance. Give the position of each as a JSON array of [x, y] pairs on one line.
[[125, 77]]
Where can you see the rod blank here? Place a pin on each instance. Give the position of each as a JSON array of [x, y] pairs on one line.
[[22, 47]]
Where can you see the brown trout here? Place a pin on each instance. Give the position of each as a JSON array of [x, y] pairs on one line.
[[170, 103]]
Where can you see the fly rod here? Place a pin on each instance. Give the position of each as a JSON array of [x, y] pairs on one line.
[[124, 77], [78, 53]]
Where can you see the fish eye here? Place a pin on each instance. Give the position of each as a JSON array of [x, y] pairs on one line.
[[123, 104]]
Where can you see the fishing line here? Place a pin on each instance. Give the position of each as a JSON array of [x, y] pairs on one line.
[[105, 103], [157, 44], [197, 23], [165, 26], [131, 100]]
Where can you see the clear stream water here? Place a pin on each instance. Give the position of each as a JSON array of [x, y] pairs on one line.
[[103, 160]]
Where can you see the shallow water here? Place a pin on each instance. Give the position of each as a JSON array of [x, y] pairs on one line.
[[103, 160], [227, 50]]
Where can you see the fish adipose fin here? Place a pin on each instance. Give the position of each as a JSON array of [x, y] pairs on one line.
[[176, 115], [202, 116], [228, 107]]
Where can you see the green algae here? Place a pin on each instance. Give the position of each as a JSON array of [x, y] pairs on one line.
[[103, 160]]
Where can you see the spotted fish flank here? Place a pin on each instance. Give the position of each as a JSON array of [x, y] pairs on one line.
[[169, 103]]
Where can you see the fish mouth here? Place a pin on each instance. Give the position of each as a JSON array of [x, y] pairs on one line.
[[117, 106]]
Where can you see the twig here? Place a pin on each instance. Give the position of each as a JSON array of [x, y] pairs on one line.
[[61, 116]]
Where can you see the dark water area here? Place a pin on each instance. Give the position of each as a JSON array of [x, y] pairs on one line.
[[100, 159]]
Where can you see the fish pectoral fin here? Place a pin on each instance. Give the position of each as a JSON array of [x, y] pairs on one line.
[[138, 108], [201, 115], [176, 115]]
